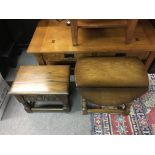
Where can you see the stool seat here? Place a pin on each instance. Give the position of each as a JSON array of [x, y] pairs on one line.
[[41, 80], [110, 72], [111, 82], [42, 88]]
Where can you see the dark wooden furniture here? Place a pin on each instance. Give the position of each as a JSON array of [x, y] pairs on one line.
[[36, 87], [7, 44], [15, 34], [129, 26], [52, 43], [111, 83]]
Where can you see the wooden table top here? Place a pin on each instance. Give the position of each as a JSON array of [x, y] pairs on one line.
[[52, 36], [111, 72], [41, 80]]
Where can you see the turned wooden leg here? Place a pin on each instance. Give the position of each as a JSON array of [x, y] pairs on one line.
[[40, 59], [26, 105], [84, 106], [131, 26], [65, 100], [66, 106], [127, 109], [74, 32]]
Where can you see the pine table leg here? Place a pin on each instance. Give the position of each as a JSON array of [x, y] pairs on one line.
[[132, 23], [74, 31], [84, 106], [40, 59]]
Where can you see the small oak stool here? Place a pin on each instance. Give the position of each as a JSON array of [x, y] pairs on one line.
[[110, 84], [128, 24], [36, 87]]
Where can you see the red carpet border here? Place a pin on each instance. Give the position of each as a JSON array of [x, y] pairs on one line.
[[141, 120]]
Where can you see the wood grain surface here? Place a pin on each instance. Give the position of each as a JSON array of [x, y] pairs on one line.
[[110, 72], [111, 96], [52, 36], [41, 80], [97, 23]]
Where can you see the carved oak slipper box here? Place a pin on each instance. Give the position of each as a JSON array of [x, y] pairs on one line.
[[42, 88]]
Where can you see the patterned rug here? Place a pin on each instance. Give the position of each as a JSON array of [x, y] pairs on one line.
[[141, 120]]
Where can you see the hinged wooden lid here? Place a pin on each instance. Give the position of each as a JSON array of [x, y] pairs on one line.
[[110, 72], [41, 80]]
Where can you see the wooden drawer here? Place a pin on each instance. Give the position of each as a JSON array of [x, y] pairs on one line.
[[64, 59], [77, 56], [140, 55], [51, 59]]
